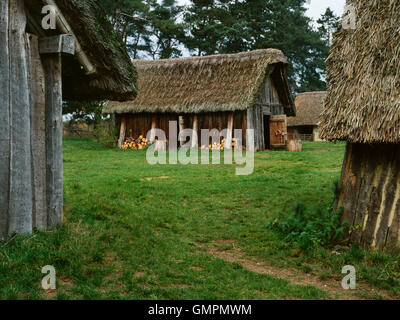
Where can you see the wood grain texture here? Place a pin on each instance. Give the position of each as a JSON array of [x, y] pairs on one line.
[[54, 160], [370, 193], [38, 125], [5, 118], [20, 199]]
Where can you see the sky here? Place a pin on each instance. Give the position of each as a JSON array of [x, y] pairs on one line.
[[315, 8], [318, 7]]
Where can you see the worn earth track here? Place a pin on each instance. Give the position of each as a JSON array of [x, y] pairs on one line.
[[295, 276]]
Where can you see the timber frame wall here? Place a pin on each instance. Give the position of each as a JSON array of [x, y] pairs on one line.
[[370, 193], [31, 175]]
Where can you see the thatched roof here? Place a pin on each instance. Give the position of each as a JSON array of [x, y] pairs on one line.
[[363, 104], [114, 76], [206, 84], [309, 107]]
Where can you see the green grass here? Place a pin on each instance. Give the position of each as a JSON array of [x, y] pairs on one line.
[[135, 231]]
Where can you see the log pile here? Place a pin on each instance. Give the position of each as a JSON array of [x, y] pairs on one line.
[[219, 146], [135, 144]]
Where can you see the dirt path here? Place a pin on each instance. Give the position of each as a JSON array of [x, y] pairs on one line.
[[293, 275]]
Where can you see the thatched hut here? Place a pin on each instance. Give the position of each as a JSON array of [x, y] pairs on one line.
[[234, 91], [305, 125], [363, 108], [79, 53]]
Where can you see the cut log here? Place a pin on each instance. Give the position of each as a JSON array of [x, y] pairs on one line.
[[20, 183], [4, 119], [54, 162], [294, 146], [370, 193]]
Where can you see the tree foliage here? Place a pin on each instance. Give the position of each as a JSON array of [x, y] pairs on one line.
[[163, 29]]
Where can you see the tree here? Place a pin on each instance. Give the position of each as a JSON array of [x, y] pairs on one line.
[[229, 26], [328, 25]]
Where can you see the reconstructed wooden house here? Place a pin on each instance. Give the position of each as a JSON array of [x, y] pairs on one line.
[[79, 59], [236, 91], [363, 108], [305, 125]]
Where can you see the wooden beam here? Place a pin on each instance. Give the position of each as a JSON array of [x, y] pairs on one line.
[[181, 128], [20, 180], [65, 28], [63, 43], [54, 160], [195, 129], [4, 119], [38, 140], [228, 144], [122, 132], [153, 127]]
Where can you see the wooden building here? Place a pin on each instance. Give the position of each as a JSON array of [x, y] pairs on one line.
[[305, 125], [80, 55], [236, 91], [363, 108]]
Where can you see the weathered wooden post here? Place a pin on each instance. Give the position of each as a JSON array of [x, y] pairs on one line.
[[5, 118], [122, 132], [20, 179], [51, 49]]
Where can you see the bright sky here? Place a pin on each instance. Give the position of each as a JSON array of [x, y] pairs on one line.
[[316, 7]]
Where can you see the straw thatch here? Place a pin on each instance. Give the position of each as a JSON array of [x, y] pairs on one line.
[[205, 84], [309, 106], [115, 77], [363, 104]]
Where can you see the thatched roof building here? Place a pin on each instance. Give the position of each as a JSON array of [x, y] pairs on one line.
[[78, 58], [309, 106], [305, 125], [363, 104], [212, 84], [363, 108], [216, 83], [107, 73]]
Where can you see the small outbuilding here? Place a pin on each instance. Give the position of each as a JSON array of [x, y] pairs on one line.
[[305, 125], [79, 57], [247, 90], [363, 108]]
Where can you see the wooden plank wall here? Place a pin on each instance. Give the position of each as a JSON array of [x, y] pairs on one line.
[[268, 96], [140, 124], [370, 193]]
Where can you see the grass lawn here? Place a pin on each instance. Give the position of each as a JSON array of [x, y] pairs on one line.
[[135, 231]]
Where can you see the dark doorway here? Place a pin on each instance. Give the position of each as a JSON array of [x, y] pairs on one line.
[[267, 138]]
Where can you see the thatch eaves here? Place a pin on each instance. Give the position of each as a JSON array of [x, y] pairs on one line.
[[216, 83], [114, 76], [309, 106], [363, 104]]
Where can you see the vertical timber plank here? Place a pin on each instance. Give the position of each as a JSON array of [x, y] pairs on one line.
[[20, 192], [122, 131], [228, 144], [195, 142], [4, 118], [38, 124], [54, 162]]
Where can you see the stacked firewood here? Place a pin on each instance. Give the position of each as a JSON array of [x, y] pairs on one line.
[[136, 144], [219, 146]]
